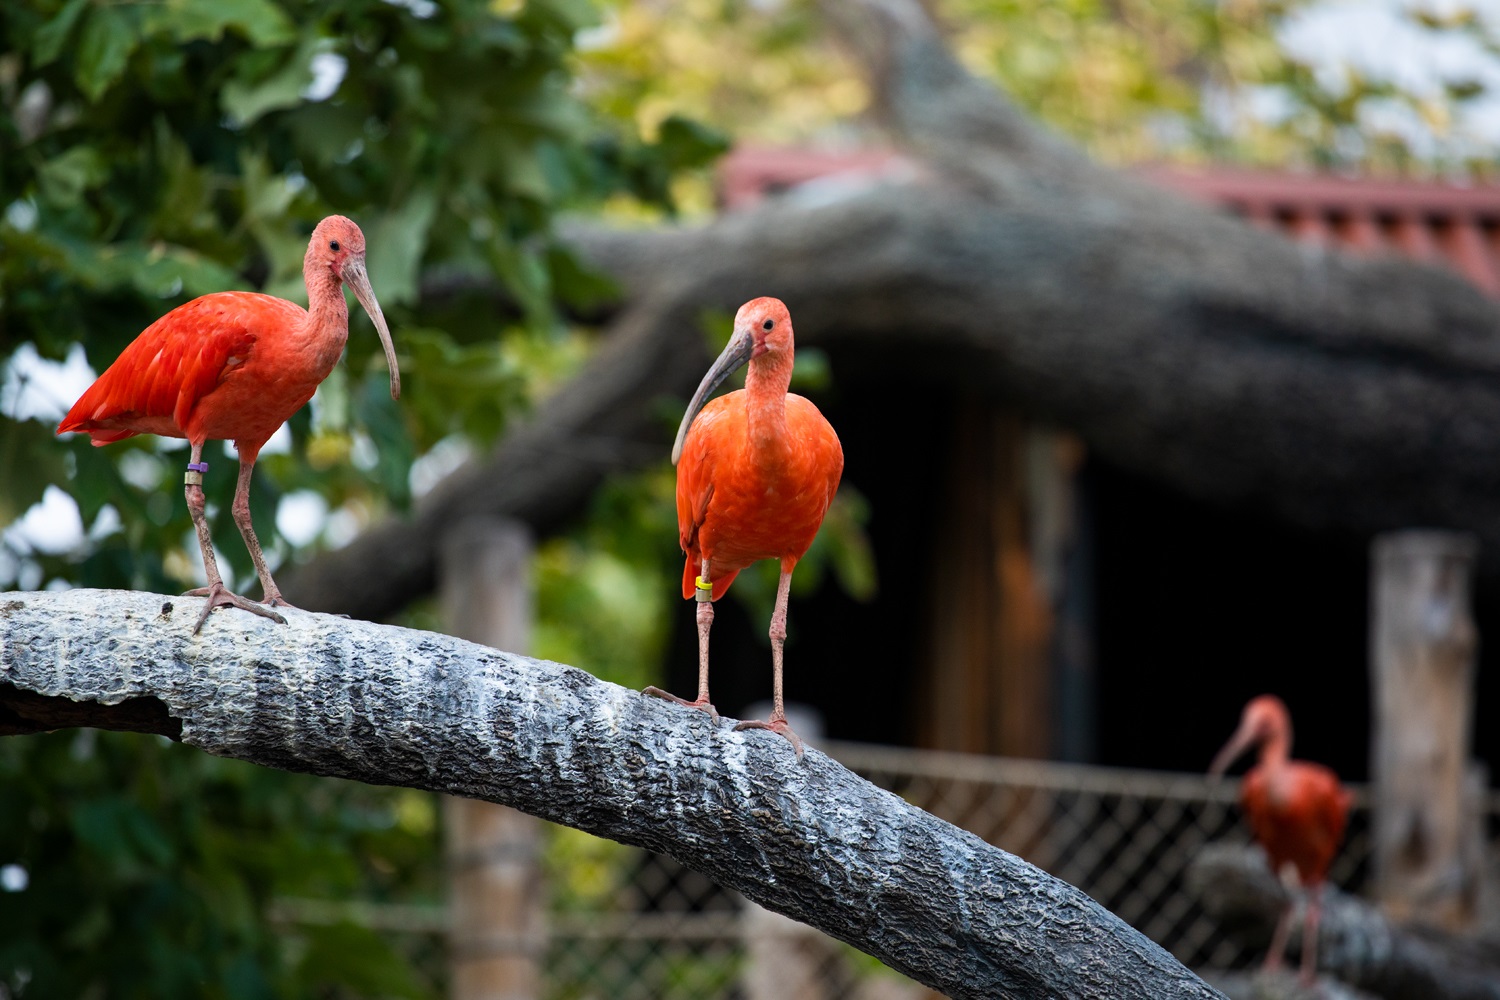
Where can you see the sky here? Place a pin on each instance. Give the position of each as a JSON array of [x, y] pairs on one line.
[[1381, 42]]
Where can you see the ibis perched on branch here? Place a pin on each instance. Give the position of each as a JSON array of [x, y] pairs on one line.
[[235, 366], [756, 471]]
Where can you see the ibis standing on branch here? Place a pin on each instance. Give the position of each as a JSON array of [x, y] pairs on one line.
[[235, 366], [756, 471], [1296, 810]]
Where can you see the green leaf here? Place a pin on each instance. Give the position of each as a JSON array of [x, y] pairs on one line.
[[261, 22], [687, 144], [49, 40], [65, 178], [523, 271], [849, 545], [104, 48], [156, 271], [396, 243], [380, 416], [812, 373], [568, 15], [246, 101], [452, 388]]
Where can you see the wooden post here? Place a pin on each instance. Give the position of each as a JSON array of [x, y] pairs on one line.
[[1001, 551], [496, 909], [1427, 856], [784, 958]]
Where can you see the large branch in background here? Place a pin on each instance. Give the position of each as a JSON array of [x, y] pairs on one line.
[[393, 706], [1356, 942], [542, 472], [1181, 344]]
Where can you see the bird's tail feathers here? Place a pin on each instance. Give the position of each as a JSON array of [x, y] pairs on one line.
[[690, 578]]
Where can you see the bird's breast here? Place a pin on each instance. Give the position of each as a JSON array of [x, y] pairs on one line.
[[766, 498], [258, 393]]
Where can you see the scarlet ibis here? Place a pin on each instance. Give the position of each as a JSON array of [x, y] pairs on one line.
[[1296, 810], [235, 365], [756, 471]]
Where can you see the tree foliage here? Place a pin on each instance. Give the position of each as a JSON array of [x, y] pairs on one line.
[[152, 870], [1242, 81], [156, 152], [150, 153]]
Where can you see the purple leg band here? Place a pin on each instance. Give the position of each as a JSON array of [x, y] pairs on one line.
[[197, 466]]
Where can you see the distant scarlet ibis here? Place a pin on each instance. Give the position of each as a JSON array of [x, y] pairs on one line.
[[1296, 810], [756, 472], [235, 365]]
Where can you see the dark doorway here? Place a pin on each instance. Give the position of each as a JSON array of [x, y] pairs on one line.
[[1200, 609]]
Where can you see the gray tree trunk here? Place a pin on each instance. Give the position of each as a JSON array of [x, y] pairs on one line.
[[394, 706], [1221, 360]]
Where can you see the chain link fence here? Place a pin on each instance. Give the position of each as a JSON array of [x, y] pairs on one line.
[[625, 924], [1125, 837]]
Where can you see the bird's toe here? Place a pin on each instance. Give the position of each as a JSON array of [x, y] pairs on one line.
[[702, 704], [220, 596], [775, 726]]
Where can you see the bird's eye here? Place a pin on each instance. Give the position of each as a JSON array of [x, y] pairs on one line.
[[768, 324], [333, 245]]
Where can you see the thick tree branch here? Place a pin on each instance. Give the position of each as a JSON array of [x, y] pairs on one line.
[[1356, 942], [394, 706], [1186, 346]]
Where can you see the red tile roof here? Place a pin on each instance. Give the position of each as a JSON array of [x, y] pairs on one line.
[[1425, 220]]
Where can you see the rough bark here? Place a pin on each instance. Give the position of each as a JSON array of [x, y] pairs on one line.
[[1179, 343], [809, 839], [1356, 942]]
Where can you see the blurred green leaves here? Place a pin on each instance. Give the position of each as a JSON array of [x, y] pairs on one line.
[[1131, 80], [151, 869], [150, 153], [153, 152], [604, 590]]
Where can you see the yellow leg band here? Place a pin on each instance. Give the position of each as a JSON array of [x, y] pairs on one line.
[[704, 590], [192, 478]]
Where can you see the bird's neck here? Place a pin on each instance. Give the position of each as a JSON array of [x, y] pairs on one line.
[[328, 313], [766, 385], [1276, 750]]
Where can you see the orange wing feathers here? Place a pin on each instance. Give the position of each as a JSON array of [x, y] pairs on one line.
[[1304, 823], [773, 512], [159, 380]]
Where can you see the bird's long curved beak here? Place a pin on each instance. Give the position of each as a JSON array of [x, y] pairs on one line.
[[1242, 740], [734, 355], [354, 273]]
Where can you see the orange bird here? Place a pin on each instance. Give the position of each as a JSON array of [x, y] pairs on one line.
[[756, 472], [1296, 809], [235, 365]]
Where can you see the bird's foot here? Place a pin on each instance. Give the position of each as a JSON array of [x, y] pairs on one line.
[[775, 725], [702, 704], [277, 601], [219, 596]]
